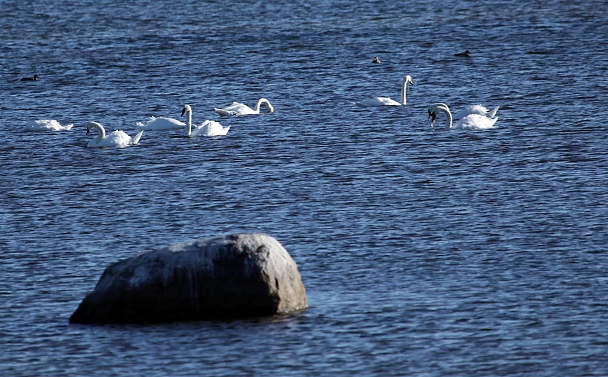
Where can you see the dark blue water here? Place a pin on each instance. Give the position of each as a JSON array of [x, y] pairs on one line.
[[424, 252]]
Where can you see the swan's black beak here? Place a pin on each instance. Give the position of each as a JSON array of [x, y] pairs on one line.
[[433, 117], [88, 131], [183, 111]]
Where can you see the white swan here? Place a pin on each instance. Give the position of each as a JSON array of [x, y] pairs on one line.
[[386, 101], [239, 109], [48, 125], [113, 139], [162, 124], [208, 128], [477, 109], [471, 121]]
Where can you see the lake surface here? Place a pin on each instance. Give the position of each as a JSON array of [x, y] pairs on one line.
[[424, 252]]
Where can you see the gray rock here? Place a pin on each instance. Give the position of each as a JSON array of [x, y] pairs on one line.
[[239, 275]]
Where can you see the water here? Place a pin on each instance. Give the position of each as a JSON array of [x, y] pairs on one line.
[[424, 252]]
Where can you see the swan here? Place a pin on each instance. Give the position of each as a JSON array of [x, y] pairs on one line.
[[477, 109], [238, 109], [113, 139], [386, 101], [208, 128], [48, 125], [161, 124], [471, 121]]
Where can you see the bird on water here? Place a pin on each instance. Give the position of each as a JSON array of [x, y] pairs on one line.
[[35, 78]]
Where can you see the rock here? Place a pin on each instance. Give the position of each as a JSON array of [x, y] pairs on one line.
[[240, 275]]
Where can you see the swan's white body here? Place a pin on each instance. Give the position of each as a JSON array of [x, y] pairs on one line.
[[477, 109], [239, 109], [113, 139], [386, 101], [162, 124], [48, 125], [470, 121], [476, 121], [208, 128]]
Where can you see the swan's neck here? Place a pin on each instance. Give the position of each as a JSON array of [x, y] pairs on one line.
[[189, 127], [259, 104], [403, 92], [263, 101], [102, 132], [447, 112]]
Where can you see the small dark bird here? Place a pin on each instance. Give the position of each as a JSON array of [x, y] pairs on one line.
[[466, 54], [35, 78], [376, 60]]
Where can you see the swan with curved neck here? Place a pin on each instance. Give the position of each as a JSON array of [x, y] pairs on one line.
[[239, 109], [387, 101], [437, 108], [471, 109], [113, 139], [208, 128], [471, 121]]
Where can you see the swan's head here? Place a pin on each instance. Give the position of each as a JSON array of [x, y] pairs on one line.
[[432, 110], [270, 108], [435, 109], [408, 79], [186, 109], [92, 125]]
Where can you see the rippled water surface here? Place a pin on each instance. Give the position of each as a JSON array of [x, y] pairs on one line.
[[424, 252]]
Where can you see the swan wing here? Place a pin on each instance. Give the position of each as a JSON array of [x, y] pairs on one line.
[[162, 123], [116, 139], [224, 112], [136, 138], [476, 121], [210, 128], [477, 109], [378, 101], [492, 113], [236, 109]]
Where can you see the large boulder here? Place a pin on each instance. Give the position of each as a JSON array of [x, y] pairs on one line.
[[239, 275]]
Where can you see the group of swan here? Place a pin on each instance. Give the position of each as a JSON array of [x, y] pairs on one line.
[[386, 101], [471, 117], [207, 128]]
